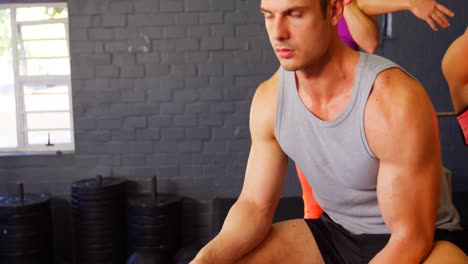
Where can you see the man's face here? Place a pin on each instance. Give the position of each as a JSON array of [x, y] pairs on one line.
[[298, 31]]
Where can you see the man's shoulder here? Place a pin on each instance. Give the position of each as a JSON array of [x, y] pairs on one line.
[[263, 109], [393, 82], [398, 109], [395, 95], [271, 84], [381, 70], [267, 91]]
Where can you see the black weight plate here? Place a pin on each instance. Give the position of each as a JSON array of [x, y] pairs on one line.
[[97, 247], [97, 211], [84, 226], [97, 202], [111, 216], [95, 258], [88, 229], [151, 229], [42, 209], [152, 244], [25, 228], [29, 201], [97, 240], [145, 200], [27, 258], [92, 185], [153, 212], [149, 220], [99, 193], [152, 257], [166, 236], [83, 232], [45, 246], [107, 234], [108, 209], [158, 248], [26, 222], [107, 196], [109, 192], [161, 239], [6, 234]]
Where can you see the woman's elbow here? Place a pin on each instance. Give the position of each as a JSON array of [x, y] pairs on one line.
[[371, 46]]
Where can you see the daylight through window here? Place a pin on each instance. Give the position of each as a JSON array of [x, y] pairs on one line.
[[35, 87]]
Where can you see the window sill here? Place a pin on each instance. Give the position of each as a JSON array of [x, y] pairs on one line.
[[36, 153]]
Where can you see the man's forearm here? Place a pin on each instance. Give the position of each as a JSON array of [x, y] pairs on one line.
[[244, 228], [379, 7]]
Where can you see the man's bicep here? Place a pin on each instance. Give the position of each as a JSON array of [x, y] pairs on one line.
[[266, 166], [408, 198], [264, 177], [408, 182]]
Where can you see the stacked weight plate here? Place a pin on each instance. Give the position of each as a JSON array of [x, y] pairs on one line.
[[26, 229], [154, 223], [99, 220]]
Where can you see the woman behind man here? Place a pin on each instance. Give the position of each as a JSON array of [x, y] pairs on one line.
[[455, 70]]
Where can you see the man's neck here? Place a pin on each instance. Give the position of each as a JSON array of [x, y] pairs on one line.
[[332, 75]]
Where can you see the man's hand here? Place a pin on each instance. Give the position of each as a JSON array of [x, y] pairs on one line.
[[431, 12]]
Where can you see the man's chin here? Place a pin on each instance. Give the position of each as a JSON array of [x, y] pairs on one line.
[[289, 66]]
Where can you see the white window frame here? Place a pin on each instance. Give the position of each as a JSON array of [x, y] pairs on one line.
[[23, 148]]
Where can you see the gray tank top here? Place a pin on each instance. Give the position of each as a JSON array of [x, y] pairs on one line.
[[335, 157]]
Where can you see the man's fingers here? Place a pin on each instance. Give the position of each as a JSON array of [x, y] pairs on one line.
[[444, 10], [431, 23]]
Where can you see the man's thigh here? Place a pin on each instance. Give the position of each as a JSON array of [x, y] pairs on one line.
[[446, 252], [288, 242]]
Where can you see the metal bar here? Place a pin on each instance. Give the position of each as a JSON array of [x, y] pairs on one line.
[[446, 114]]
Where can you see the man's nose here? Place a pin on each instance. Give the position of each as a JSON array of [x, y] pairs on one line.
[[280, 29]]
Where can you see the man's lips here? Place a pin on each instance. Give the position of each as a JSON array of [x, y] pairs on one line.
[[285, 53]]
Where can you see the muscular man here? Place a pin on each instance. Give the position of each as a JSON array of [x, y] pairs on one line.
[[358, 30], [455, 69], [373, 159]]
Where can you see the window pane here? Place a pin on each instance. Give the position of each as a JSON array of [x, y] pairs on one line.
[[45, 89], [46, 102], [45, 31], [48, 120], [35, 67], [8, 135], [6, 55], [44, 48], [40, 13], [56, 137]]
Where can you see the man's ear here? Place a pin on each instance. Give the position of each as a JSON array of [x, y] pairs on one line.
[[335, 11]]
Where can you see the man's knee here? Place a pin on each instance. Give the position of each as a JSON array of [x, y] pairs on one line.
[[446, 252], [288, 242]]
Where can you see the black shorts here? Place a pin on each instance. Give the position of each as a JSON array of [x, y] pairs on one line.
[[339, 246]]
